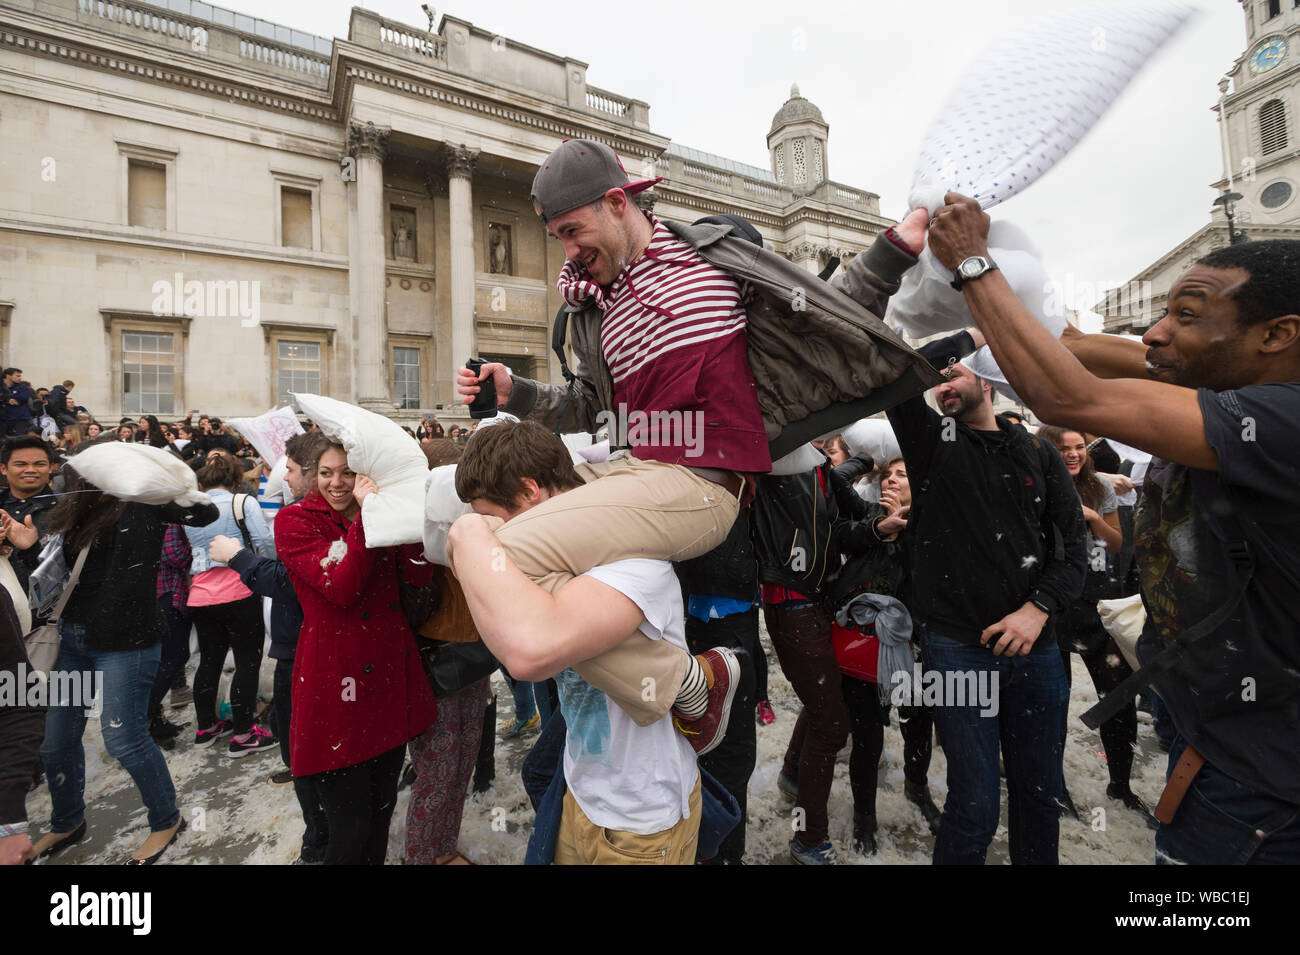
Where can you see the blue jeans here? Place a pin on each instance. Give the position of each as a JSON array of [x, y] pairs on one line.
[[128, 676], [1032, 699], [527, 703], [1225, 822]]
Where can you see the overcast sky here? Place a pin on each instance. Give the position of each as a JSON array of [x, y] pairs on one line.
[[715, 73]]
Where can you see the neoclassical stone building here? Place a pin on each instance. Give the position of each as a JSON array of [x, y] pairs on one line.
[[1256, 112], [199, 209]]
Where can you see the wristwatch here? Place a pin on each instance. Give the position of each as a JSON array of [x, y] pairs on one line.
[[972, 268], [1041, 605]]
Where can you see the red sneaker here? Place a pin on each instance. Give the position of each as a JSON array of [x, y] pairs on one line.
[[765, 714], [705, 733]]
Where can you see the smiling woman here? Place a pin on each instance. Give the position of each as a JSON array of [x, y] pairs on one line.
[[359, 692]]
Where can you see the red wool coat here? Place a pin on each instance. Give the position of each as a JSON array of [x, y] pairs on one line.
[[358, 688]]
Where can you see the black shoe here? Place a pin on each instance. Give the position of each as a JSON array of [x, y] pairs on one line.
[[165, 732], [72, 839], [864, 833], [282, 778], [1067, 805], [919, 796], [1130, 799], [150, 860]]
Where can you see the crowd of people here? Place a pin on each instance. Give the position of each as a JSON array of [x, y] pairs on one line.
[[621, 590]]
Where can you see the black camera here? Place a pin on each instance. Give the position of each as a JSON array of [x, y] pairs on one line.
[[484, 404]]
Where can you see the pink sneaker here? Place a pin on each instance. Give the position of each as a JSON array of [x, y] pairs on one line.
[[765, 714], [256, 740]]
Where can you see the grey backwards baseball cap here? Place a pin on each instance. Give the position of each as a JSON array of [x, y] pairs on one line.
[[579, 172]]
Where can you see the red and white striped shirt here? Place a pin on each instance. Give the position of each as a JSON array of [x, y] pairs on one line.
[[673, 335]]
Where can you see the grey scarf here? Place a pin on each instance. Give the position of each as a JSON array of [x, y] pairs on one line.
[[893, 629]]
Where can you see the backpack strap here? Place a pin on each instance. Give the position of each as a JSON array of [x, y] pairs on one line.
[[71, 584], [559, 332], [1204, 483], [237, 505]]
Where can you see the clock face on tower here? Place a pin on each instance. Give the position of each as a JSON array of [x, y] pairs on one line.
[[1267, 56]]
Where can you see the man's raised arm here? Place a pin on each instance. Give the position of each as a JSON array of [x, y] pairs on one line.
[[1106, 356], [1160, 418]]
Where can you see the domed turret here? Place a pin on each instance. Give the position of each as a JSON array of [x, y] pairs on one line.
[[797, 143]]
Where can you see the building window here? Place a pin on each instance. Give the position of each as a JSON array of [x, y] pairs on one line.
[[146, 196], [148, 373], [1274, 9], [295, 218], [1272, 127], [1277, 194], [780, 163], [148, 184], [296, 205], [406, 377], [817, 161], [798, 160], [298, 368]]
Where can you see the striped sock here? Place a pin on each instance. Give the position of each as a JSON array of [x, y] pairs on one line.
[[693, 698]]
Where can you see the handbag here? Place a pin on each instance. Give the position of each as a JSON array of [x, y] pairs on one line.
[[451, 667], [418, 603], [43, 643]]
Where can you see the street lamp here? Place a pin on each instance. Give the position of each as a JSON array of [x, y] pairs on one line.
[[1229, 200]]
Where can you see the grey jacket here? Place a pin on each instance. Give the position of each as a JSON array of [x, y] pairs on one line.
[[821, 356]]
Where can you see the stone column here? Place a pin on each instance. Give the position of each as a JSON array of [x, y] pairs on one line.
[[367, 145], [459, 163]]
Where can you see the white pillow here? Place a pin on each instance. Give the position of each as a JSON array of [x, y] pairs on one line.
[[927, 304], [139, 472], [378, 448], [1033, 93], [1018, 109]]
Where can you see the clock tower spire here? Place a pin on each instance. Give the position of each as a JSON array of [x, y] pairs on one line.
[[1257, 114]]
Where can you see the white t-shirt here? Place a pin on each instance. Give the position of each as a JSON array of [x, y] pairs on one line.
[[627, 777]]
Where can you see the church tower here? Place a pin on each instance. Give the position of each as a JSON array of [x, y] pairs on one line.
[[1257, 116]]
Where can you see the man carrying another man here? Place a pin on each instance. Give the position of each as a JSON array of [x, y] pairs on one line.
[[660, 327], [633, 790]]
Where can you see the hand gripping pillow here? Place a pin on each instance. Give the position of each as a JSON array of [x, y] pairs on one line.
[[378, 448], [138, 472], [927, 304]]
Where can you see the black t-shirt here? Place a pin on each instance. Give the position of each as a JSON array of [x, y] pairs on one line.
[[1234, 695]]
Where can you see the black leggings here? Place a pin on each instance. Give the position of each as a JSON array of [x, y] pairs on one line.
[[1109, 669], [234, 626], [358, 802], [175, 654], [868, 729]]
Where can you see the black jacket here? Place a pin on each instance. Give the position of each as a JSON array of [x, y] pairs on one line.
[[729, 570], [21, 727], [204, 443], [37, 507], [267, 577], [793, 517], [995, 522], [57, 401], [116, 598]]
